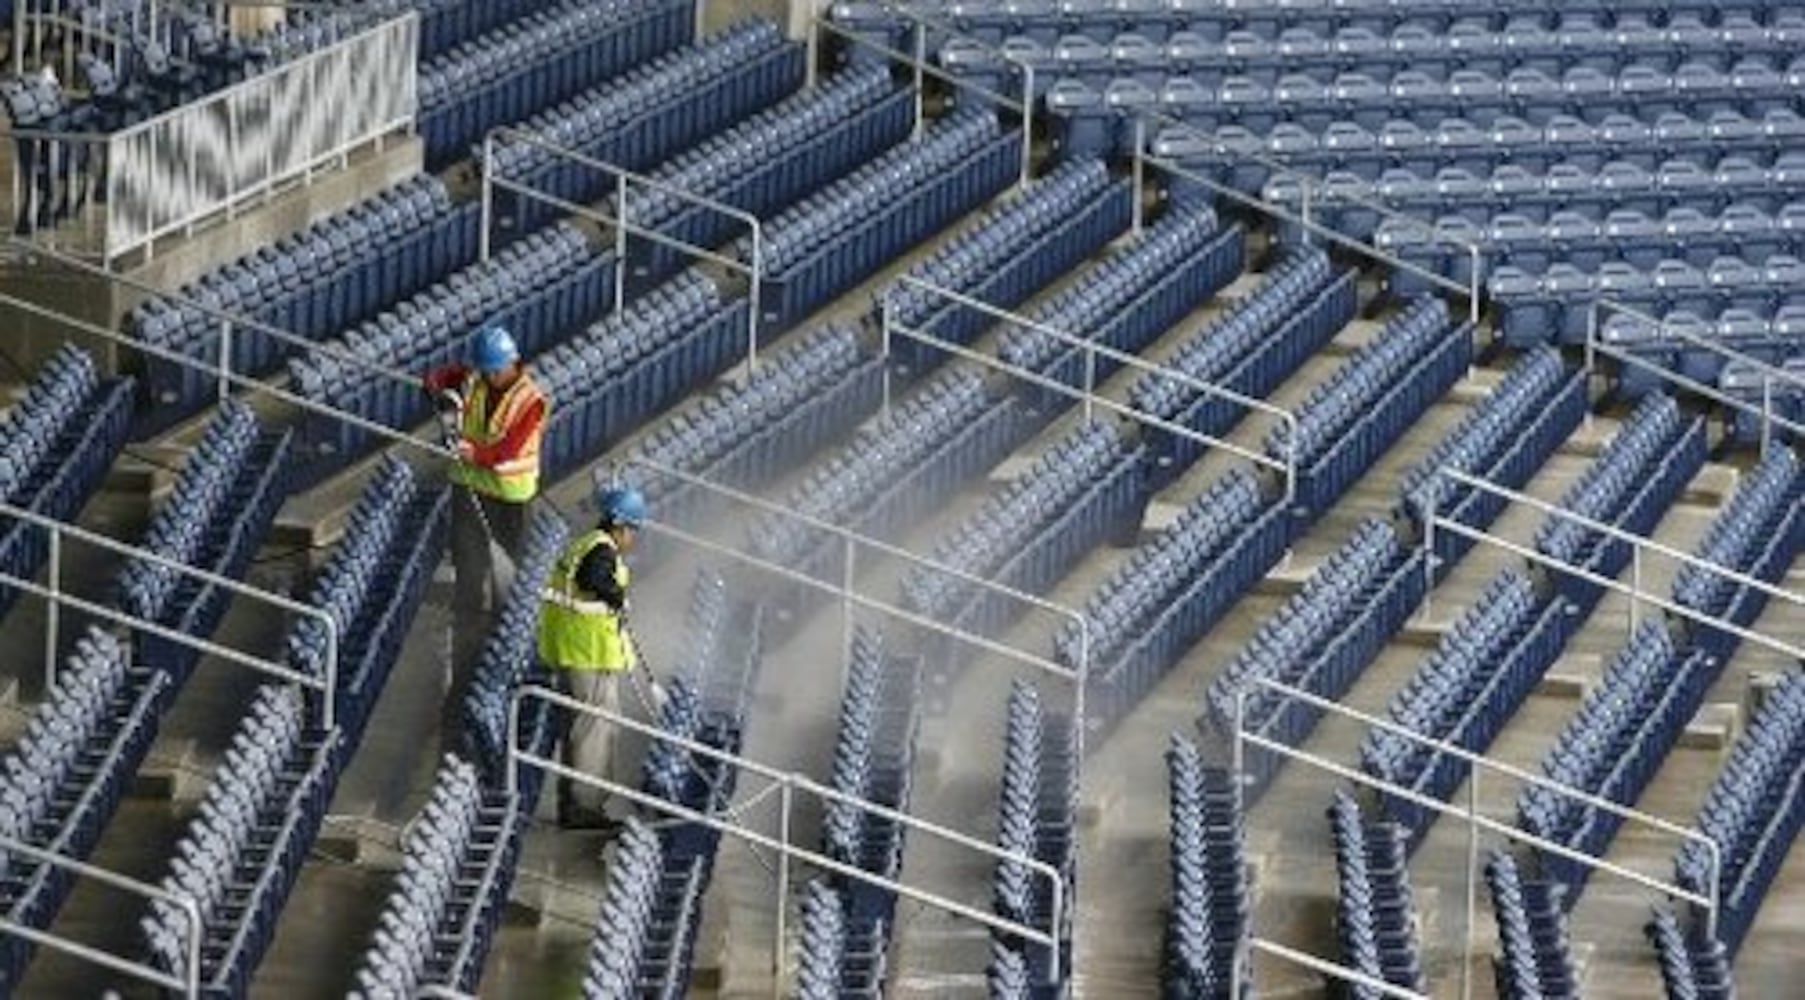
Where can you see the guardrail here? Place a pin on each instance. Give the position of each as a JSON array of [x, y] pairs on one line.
[[621, 224], [788, 784], [1597, 322], [217, 153], [1475, 819]]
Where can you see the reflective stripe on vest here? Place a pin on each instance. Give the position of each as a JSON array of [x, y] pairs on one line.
[[577, 632], [515, 480]]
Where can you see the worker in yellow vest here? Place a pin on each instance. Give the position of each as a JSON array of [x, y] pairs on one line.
[[584, 640], [501, 414]]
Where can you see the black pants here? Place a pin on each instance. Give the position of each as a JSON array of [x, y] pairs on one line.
[[475, 601]]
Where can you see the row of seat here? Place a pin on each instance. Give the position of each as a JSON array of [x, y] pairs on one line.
[[1503, 440], [1345, 201], [242, 853], [231, 485], [1753, 812], [1535, 959], [1348, 421], [1761, 393], [874, 759], [370, 587], [1006, 255], [1173, 590], [1464, 693], [1758, 534], [1250, 347], [625, 925], [1368, 150], [1558, 303], [840, 234], [1640, 472], [1770, 338], [1375, 917], [458, 859], [536, 61], [1130, 297], [66, 775], [540, 289], [611, 377], [510, 658], [1690, 970], [1207, 926], [1084, 488], [337, 272], [61, 438], [839, 959], [445, 24], [767, 162], [1318, 641], [1038, 805], [1579, 41], [641, 117], [1612, 747], [745, 434]]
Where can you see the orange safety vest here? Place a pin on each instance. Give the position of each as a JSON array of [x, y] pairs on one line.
[[516, 479]]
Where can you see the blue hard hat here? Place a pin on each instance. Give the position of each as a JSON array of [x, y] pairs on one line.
[[493, 350], [623, 505]]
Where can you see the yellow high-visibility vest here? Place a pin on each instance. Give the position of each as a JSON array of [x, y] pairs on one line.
[[517, 479], [578, 632]]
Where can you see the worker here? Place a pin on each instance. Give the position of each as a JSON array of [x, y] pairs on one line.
[[501, 415], [585, 641]]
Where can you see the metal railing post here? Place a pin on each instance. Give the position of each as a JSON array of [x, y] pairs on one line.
[[1027, 124], [1635, 588], [53, 611], [225, 360], [1090, 384], [1238, 781], [1432, 492], [483, 244], [1767, 413], [884, 360], [921, 98], [1470, 927], [811, 70], [1478, 284], [755, 297], [785, 802], [620, 244], [1140, 174]]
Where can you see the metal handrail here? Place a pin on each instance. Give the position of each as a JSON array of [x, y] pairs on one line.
[[188, 984], [622, 224], [1435, 521], [1088, 394], [57, 529], [790, 782]]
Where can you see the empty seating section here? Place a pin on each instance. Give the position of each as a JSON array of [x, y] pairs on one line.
[[1535, 959], [1695, 347], [1008, 255], [1129, 299], [1753, 812], [894, 471], [1503, 440], [540, 289], [446, 24], [1613, 746], [61, 437], [1172, 590], [1211, 899], [1374, 915], [244, 849], [457, 865], [643, 116], [1689, 968], [536, 61], [1084, 488], [1535, 308], [840, 234], [62, 781], [342, 270], [873, 760], [1631, 484], [221, 508], [1758, 534], [510, 658], [1464, 693], [1758, 391], [242, 854], [1319, 641], [746, 434], [767, 162], [633, 363], [1255, 343], [1347, 422], [819, 960], [370, 587], [625, 925], [1039, 802]]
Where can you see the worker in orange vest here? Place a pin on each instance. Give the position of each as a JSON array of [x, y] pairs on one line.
[[501, 415]]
